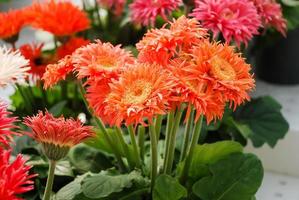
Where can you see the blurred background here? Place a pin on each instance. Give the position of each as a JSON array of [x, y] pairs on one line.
[[276, 66]]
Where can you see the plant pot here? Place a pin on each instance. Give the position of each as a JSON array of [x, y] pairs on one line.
[[278, 62]]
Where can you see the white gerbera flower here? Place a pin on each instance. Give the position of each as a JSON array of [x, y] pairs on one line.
[[13, 67]]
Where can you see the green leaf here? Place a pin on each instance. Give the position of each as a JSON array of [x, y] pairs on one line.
[[237, 177], [71, 190], [207, 154], [86, 158], [262, 121], [102, 185], [168, 188], [56, 110]]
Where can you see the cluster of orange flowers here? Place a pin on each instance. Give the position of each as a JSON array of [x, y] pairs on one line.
[[176, 65]]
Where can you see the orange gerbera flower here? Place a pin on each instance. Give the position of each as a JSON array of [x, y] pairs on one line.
[[57, 133], [182, 35], [11, 24], [97, 91], [195, 91], [33, 53], [143, 91], [102, 60], [70, 46], [227, 70], [57, 72], [60, 18]]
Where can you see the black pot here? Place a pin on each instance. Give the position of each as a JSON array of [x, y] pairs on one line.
[[278, 61]]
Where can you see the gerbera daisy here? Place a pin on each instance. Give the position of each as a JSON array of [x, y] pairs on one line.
[[11, 24], [117, 6], [61, 18], [14, 176], [57, 135], [6, 124], [196, 91], [159, 45], [142, 92], [101, 60], [145, 12], [33, 53], [271, 14], [70, 46], [13, 67], [225, 69], [234, 19], [97, 91], [57, 72]]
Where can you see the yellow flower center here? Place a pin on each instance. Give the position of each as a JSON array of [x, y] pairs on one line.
[[221, 69], [228, 14], [106, 62], [138, 92]]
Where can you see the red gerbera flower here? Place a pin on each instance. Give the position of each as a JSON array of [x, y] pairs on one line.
[[11, 24], [6, 124], [60, 18], [33, 53], [14, 176], [145, 12], [234, 19], [70, 46], [271, 14]]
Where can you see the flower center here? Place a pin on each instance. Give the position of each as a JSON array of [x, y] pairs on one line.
[[222, 69], [138, 92], [106, 62], [228, 14]]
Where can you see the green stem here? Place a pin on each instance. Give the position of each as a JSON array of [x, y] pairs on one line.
[[154, 155], [50, 180], [141, 139], [158, 124], [102, 127], [194, 141], [170, 156], [187, 135], [169, 125], [135, 147], [26, 101], [124, 147]]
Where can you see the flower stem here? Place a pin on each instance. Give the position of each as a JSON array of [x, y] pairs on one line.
[[124, 146], [26, 100], [187, 136], [50, 180], [170, 156], [194, 141], [101, 126], [154, 155], [169, 125], [158, 124], [135, 147], [141, 139]]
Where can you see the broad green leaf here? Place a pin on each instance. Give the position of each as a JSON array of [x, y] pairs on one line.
[[71, 190], [237, 177], [262, 121], [86, 158], [168, 188], [207, 154], [103, 185]]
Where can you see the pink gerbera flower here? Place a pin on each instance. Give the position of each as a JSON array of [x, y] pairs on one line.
[[145, 12], [237, 20], [6, 124], [271, 14]]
